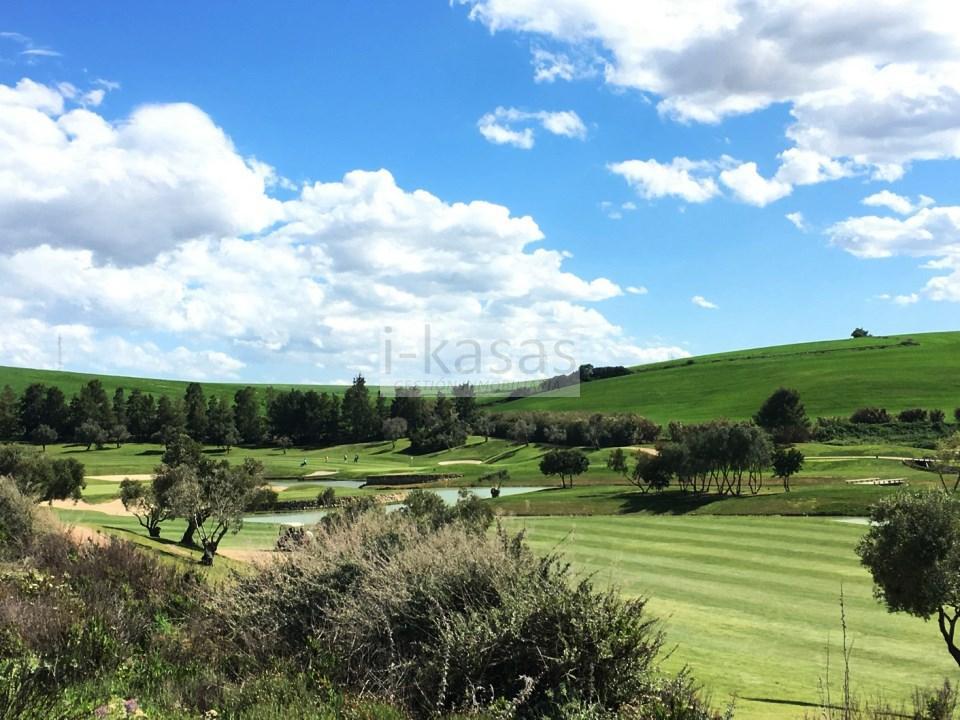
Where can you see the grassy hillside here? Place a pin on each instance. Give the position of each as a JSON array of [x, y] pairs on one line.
[[71, 382], [768, 584], [834, 378]]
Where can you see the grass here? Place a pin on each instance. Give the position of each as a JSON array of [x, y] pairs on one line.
[[751, 604], [817, 489], [834, 378]]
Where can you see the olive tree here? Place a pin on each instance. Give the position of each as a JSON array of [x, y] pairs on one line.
[[651, 471], [786, 463], [393, 429], [214, 500], [565, 464], [43, 435], [912, 550], [617, 461], [150, 502]]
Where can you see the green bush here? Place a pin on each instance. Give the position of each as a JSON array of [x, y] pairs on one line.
[[17, 519]]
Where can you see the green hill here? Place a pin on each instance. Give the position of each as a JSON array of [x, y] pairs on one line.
[[834, 378], [71, 382]]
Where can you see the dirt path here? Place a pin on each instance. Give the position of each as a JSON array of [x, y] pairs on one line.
[[826, 458], [121, 478], [460, 462]]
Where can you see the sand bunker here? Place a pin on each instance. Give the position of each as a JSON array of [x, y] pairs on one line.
[[460, 462], [114, 507], [321, 473]]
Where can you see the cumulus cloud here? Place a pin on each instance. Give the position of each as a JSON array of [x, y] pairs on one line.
[[127, 190], [637, 290], [748, 185], [680, 177], [873, 83], [930, 232], [701, 301], [500, 126], [236, 278]]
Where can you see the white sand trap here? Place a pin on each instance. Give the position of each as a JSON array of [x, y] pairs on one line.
[[321, 473], [114, 507], [121, 478], [460, 462]]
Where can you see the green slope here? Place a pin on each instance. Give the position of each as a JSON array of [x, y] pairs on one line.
[[71, 382], [750, 604], [834, 378]]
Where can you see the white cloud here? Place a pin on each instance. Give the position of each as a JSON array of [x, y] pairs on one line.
[[40, 52], [635, 290], [748, 185], [701, 301], [681, 178], [499, 128], [500, 134], [898, 203], [127, 190], [313, 281], [873, 83], [931, 232], [797, 219]]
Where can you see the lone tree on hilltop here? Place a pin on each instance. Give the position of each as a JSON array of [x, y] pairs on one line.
[[912, 550], [784, 417], [860, 333], [565, 464]]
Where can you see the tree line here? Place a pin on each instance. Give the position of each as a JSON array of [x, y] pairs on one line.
[[43, 415]]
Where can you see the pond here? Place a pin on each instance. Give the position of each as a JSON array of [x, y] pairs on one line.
[[312, 517]]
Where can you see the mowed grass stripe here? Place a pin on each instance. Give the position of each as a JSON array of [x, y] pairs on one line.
[[757, 622], [719, 546], [699, 569]]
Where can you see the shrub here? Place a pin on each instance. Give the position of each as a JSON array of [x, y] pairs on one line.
[[85, 608], [938, 417], [912, 415], [17, 519], [870, 416], [446, 620]]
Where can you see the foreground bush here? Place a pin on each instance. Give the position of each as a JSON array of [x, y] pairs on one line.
[[446, 620]]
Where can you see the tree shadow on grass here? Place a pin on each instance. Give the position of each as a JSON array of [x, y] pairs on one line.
[[668, 503]]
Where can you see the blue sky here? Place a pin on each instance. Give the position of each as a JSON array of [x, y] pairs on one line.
[[317, 91]]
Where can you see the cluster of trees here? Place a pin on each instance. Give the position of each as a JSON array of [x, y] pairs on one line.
[[596, 430], [211, 495], [42, 414], [720, 455]]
